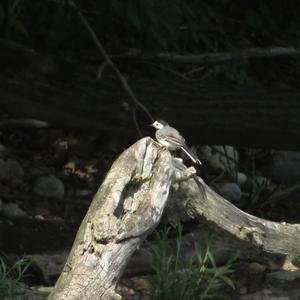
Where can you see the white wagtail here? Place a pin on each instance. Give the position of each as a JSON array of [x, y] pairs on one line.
[[170, 138]]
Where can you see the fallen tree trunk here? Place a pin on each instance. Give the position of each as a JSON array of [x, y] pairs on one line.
[[10, 49], [265, 240], [126, 208], [211, 58], [129, 205]]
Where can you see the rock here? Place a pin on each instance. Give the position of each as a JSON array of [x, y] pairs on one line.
[[216, 163], [227, 151], [260, 180], [285, 167], [243, 290], [12, 211], [39, 217], [83, 193], [284, 275], [49, 266], [49, 186], [10, 169], [230, 191], [223, 158], [256, 183], [241, 178], [255, 268], [263, 295], [3, 150], [206, 152]]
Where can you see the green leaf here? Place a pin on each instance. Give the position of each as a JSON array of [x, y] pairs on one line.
[[234, 257], [199, 254], [212, 259], [228, 281], [184, 279]]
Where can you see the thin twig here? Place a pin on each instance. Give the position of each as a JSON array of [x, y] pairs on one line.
[[193, 71], [23, 122], [169, 70], [109, 61], [136, 124], [14, 6], [282, 194], [101, 69], [213, 58]]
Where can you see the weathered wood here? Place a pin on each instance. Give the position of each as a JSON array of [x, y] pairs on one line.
[[210, 58], [129, 205], [126, 208], [263, 239]]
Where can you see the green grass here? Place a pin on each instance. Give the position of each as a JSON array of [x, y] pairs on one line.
[[196, 278], [10, 278]]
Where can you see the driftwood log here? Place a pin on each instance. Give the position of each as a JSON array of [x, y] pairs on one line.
[[267, 241], [210, 58], [129, 205], [126, 208]]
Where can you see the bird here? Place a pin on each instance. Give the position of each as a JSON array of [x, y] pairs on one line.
[[170, 138]]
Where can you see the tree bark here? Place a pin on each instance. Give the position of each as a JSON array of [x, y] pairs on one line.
[[126, 208], [265, 240], [211, 58], [130, 203]]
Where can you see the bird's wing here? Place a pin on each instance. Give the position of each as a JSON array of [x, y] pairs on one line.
[[179, 141], [173, 136]]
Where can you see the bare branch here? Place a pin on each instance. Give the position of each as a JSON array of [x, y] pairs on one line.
[[136, 124], [263, 239], [212, 58], [109, 61], [23, 122]]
